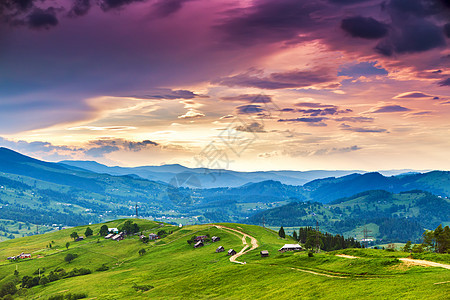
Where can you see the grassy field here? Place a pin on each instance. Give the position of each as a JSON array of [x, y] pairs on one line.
[[171, 268]]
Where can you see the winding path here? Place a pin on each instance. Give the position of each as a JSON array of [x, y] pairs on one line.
[[254, 243], [409, 261]]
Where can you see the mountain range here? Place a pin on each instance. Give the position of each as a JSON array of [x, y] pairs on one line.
[[74, 193]]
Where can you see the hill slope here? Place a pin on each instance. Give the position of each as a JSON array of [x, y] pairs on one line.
[[171, 268]]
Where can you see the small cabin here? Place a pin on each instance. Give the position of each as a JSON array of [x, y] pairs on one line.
[[24, 255], [291, 247], [200, 238], [220, 249], [264, 253], [80, 238], [231, 252], [108, 236], [215, 239], [153, 236], [198, 244]]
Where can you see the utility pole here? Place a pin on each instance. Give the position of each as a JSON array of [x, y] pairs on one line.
[[366, 236]]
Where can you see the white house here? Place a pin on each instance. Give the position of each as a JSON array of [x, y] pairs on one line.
[[114, 230], [291, 247]]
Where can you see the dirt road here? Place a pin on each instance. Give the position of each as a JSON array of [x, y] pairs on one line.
[[423, 263], [409, 262], [254, 243]]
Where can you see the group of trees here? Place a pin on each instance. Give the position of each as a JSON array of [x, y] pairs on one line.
[[326, 241], [437, 240], [129, 227]]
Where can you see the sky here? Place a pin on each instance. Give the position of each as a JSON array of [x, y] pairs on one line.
[[242, 85]]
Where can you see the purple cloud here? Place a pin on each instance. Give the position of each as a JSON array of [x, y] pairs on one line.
[[304, 120], [366, 28], [445, 82], [362, 129], [355, 119], [253, 98], [249, 109], [391, 109], [282, 80]]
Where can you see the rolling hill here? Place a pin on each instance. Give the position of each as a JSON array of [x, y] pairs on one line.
[[171, 268]]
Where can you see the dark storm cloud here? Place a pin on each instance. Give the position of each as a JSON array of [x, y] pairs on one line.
[[347, 2], [362, 129], [413, 31], [391, 108], [40, 18], [282, 80], [366, 28], [268, 21], [114, 4], [165, 8], [80, 8], [447, 30], [445, 82]]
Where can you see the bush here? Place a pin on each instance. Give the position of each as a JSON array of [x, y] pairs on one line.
[[69, 257], [142, 287], [104, 267], [68, 296], [310, 254], [44, 280], [8, 288]]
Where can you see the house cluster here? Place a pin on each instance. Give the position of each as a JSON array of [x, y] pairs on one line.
[[199, 240], [114, 234], [291, 247], [20, 256]]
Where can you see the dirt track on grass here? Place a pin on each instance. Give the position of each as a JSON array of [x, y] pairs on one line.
[[409, 262], [254, 244]]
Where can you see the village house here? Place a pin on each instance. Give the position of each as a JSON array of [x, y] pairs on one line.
[[118, 237], [113, 230], [80, 238], [264, 253], [215, 239], [153, 236], [291, 247], [109, 236], [220, 249], [200, 238], [198, 244], [20, 256], [231, 252]]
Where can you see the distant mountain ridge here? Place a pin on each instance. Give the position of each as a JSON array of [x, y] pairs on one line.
[[215, 178]]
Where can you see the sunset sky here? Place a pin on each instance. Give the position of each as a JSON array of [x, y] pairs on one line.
[[242, 85]]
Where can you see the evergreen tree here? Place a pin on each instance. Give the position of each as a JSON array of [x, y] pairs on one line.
[[88, 232], [294, 235], [281, 232], [103, 230]]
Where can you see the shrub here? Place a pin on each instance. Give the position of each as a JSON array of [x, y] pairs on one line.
[[142, 287], [8, 288], [310, 254], [104, 267], [69, 257]]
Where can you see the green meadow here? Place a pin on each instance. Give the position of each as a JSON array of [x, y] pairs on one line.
[[171, 268]]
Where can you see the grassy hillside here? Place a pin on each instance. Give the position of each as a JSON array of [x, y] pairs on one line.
[[173, 268]]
